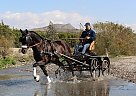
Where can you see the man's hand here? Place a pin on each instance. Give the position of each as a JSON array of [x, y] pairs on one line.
[[87, 37], [81, 40]]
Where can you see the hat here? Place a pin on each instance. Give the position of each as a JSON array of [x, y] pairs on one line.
[[87, 24]]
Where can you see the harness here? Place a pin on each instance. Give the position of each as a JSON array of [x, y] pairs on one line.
[[44, 50], [47, 52]]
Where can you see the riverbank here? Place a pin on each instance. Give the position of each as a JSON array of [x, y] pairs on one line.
[[124, 68], [15, 58]]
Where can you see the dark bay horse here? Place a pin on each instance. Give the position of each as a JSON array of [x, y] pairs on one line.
[[43, 50]]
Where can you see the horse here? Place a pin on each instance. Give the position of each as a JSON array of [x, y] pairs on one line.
[[43, 51]]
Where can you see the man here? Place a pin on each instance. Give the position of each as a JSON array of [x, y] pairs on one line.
[[87, 37]]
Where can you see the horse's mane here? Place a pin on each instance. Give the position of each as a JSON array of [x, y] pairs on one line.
[[46, 38], [37, 34]]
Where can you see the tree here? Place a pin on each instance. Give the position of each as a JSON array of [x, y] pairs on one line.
[[51, 33], [118, 39], [6, 39]]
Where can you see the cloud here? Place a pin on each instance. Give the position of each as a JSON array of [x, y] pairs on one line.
[[33, 20], [133, 26]]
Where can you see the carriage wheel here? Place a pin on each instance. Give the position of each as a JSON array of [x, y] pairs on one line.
[[106, 67], [70, 67], [94, 68]]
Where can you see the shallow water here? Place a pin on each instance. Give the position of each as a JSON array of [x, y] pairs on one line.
[[89, 88], [21, 83]]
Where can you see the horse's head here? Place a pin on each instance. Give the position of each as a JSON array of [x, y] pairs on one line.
[[26, 40]]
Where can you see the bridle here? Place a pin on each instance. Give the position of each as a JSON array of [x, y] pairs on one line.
[[41, 41], [27, 47]]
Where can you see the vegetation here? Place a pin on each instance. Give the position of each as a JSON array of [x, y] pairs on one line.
[[51, 33], [70, 37], [7, 61], [8, 38], [118, 39]]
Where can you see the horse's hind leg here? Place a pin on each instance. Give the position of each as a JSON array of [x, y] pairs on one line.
[[45, 73]]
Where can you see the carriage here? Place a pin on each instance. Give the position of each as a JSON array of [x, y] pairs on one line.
[[58, 52], [89, 61]]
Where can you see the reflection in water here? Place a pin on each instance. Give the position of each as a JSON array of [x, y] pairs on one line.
[[37, 93], [88, 88]]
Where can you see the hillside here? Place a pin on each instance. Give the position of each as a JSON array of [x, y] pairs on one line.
[[59, 28]]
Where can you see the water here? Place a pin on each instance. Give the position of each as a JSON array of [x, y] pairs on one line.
[[14, 82], [89, 88]]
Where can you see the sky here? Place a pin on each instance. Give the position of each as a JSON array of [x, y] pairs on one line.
[[38, 13]]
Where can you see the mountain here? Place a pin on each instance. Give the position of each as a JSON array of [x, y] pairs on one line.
[[58, 28]]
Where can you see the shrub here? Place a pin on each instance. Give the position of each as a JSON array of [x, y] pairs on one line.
[[7, 61]]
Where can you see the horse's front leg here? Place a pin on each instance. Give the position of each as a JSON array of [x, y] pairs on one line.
[[45, 73], [36, 77]]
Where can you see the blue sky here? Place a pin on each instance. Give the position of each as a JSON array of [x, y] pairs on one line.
[[120, 11]]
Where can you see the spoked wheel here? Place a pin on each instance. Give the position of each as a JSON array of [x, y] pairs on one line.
[[94, 68], [71, 68], [67, 65], [106, 66]]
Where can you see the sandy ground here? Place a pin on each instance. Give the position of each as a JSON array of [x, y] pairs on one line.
[[124, 67]]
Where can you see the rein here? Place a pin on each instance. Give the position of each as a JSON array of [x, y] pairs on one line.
[[35, 44], [25, 46]]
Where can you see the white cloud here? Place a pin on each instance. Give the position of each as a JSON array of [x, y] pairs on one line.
[[33, 20], [133, 26]]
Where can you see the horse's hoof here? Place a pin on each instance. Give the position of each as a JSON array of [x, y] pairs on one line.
[[37, 78], [34, 77]]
